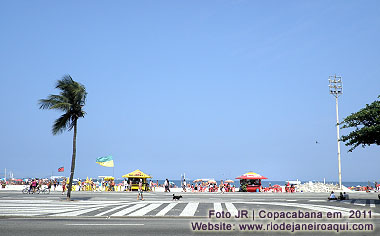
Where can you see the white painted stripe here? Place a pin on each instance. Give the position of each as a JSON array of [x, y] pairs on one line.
[[18, 214], [372, 203], [218, 207], [166, 209], [108, 211], [231, 208], [128, 210], [360, 202], [78, 212], [26, 201], [145, 210], [190, 209], [40, 211], [292, 200], [104, 224]]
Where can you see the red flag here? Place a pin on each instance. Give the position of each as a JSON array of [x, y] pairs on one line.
[[61, 169]]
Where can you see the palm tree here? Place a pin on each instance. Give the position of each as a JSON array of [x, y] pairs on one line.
[[71, 99]]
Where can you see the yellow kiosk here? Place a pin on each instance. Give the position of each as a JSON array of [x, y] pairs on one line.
[[135, 177]]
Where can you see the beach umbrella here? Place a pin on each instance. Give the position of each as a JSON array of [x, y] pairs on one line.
[[211, 181], [229, 181], [200, 180], [251, 175]]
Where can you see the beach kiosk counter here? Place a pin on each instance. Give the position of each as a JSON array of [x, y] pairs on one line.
[[135, 177], [252, 180]]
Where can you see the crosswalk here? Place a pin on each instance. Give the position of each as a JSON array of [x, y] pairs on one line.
[[55, 208]]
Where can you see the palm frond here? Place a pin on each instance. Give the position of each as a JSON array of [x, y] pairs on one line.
[[71, 99], [55, 102], [62, 123]]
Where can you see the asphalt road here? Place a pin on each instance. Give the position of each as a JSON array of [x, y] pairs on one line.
[[121, 214]]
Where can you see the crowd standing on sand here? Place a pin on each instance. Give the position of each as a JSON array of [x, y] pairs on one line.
[[36, 185]]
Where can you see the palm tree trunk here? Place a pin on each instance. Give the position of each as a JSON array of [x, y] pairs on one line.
[[72, 161]]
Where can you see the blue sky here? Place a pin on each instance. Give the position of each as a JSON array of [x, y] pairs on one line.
[[207, 88]]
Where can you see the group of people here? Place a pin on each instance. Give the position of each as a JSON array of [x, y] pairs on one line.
[[36, 184], [210, 187], [342, 196], [289, 188]]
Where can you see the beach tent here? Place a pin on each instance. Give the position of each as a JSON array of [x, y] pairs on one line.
[[252, 180], [135, 177], [137, 174]]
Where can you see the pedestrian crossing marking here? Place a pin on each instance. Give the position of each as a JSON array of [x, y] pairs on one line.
[[110, 210], [166, 209], [97, 208], [360, 202], [128, 210], [231, 208], [218, 207], [78, 212], [190, 209], [145, 210]]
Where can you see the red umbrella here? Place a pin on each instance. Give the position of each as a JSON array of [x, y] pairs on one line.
[[251, 175]]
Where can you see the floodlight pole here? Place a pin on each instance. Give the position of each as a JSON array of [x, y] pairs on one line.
[[336, 90]]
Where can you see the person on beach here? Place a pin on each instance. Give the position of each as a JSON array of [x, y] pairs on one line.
[[345, 196], [151, 185], [55, 184], [112, 185], [184, 185], [166, 184], [79, 185], [40, 182], [99, 186], [140, 191], [49, 185], [31, 186], [34, 185], [125, 184], [221, 186], [63, 186], [130, 185]]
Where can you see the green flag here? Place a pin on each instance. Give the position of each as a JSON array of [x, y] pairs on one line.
[[106, 161]]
